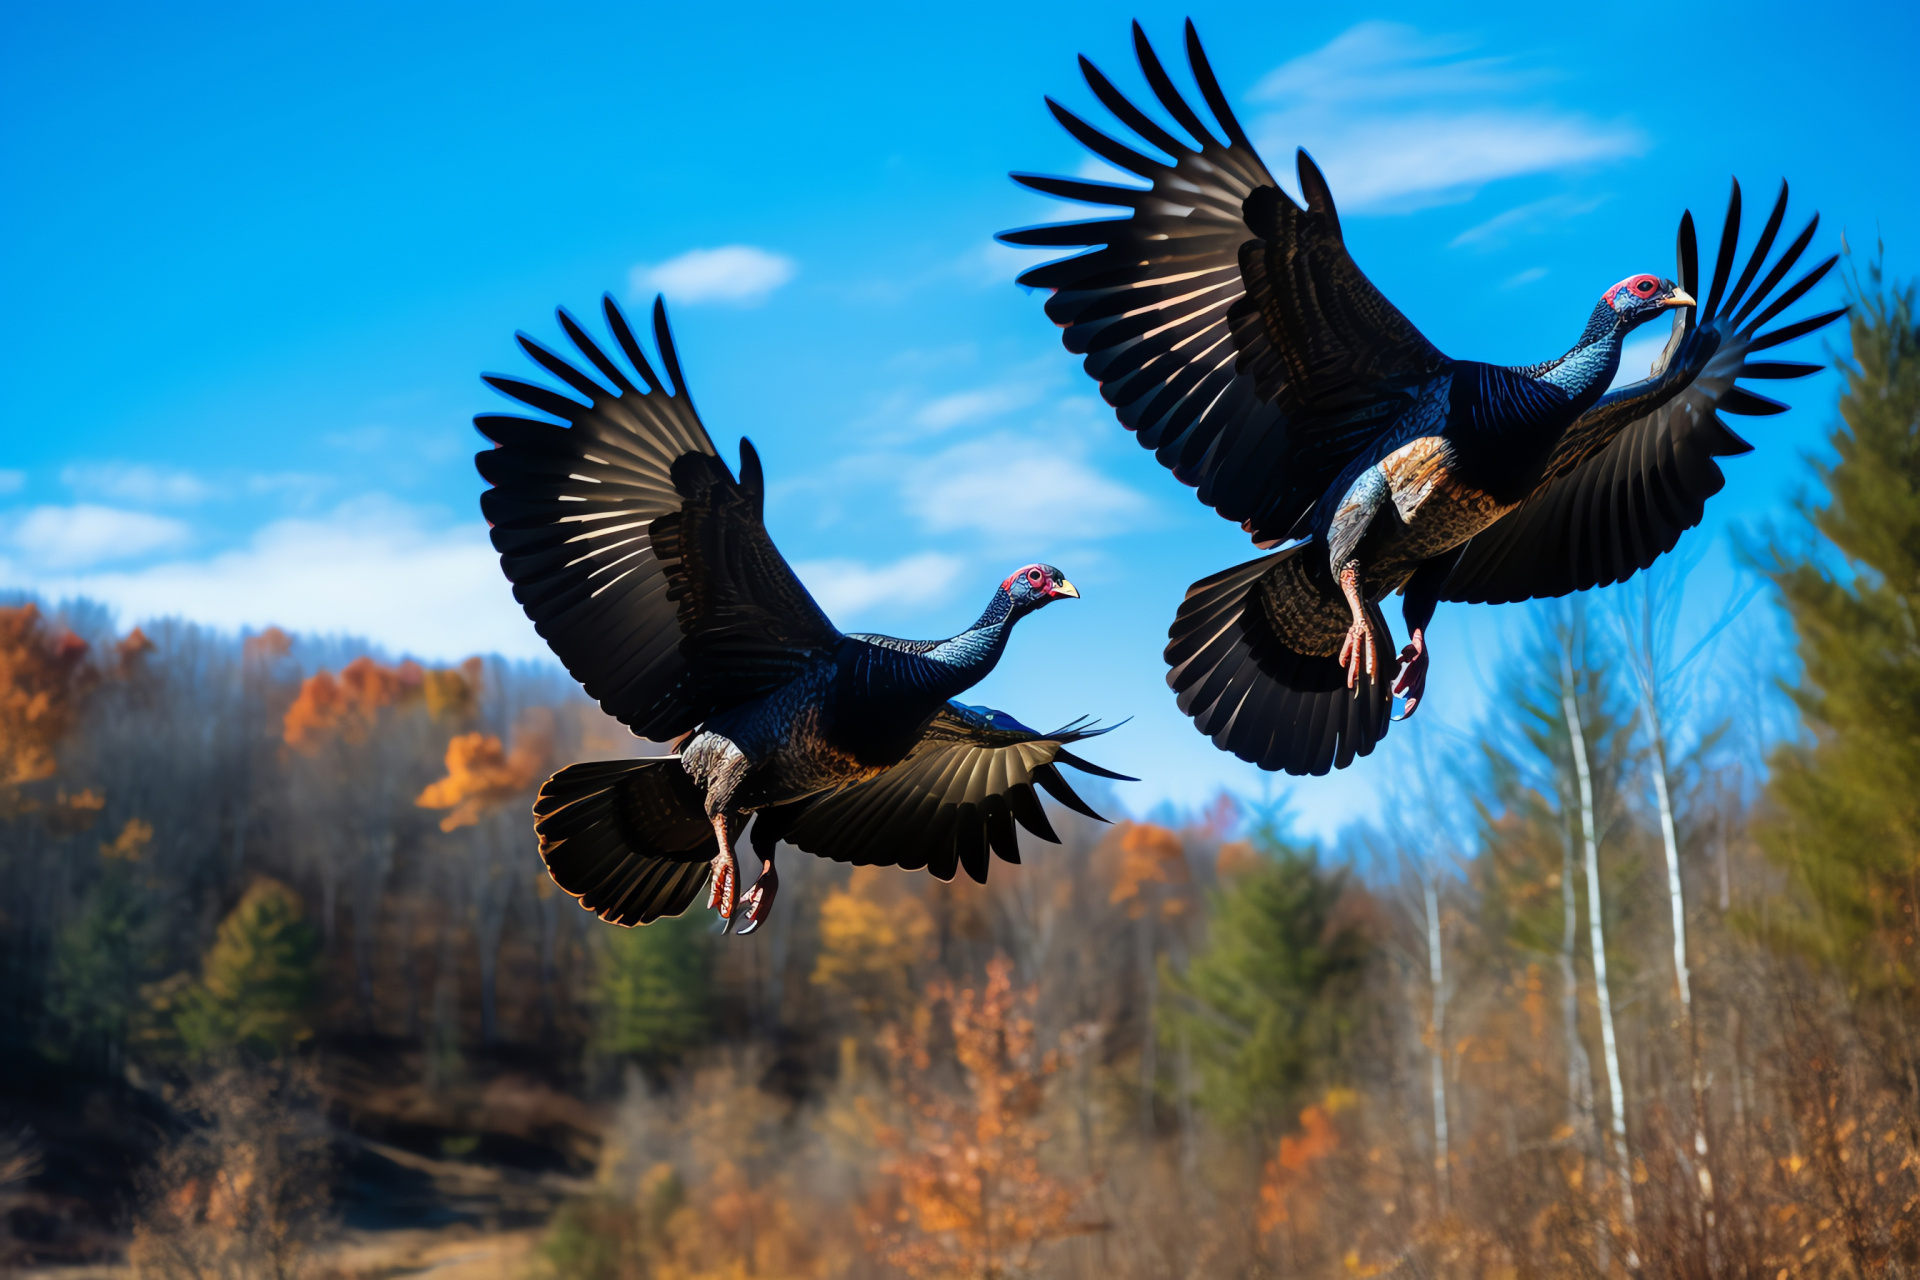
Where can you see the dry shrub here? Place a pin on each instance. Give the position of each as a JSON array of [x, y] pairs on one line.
[[242, 1193], [967, 1193]]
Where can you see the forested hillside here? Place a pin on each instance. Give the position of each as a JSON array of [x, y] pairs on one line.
[[1626, 982]]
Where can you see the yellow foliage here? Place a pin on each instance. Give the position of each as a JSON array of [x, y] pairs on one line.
[[872, 933]]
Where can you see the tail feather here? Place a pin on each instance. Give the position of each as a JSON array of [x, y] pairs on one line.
[[1235, 659], [629, 838]]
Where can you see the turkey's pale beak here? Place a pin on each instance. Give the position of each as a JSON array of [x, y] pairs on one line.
[[1065, 588], [1679, 298]]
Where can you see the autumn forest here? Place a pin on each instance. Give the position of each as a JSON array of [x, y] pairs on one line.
[[1623, 983]]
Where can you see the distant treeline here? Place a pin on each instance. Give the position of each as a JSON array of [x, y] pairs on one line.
[[1626, 982]]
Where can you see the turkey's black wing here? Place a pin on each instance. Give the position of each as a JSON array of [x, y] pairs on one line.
[[955, 798], [1228, 327], [639, 558], [1636, 470]]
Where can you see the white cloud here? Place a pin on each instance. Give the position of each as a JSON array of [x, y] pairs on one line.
[[372, 568], [1527, 276], [1399, 120], [1005, 484], [846, 587], [135, 482], [59, 538], [737, 273], [1502, 227], [972, 406], [12, 481]]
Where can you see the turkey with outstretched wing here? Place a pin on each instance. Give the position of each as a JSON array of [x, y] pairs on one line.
[[1234, 334], [646, 565]]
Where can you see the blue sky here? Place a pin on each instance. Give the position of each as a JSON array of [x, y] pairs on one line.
[[253, 260]]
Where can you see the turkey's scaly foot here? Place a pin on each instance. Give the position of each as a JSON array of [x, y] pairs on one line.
[[757, 903], [1412, 683], [1361, 648], [726, 874]]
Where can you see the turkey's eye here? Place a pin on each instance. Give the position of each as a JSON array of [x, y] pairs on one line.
[[1645, 286], [1034, 576]]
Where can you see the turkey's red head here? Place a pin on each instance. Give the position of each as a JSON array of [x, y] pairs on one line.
[[1639, 297], [1038, 584]]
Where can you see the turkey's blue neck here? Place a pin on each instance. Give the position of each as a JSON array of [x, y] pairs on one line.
[[1586, 371], [966, 659]]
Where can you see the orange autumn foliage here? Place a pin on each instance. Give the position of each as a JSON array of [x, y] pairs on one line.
[[42, 683], [266, 646], [1149, 854], [482, 775], [968, 1195], [345, 707], [1287, 1186]]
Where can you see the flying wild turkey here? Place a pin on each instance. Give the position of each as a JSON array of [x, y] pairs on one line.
[[1235, 336], [644, 563]]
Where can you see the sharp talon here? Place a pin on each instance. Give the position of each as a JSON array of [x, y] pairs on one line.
[[757, 903], [1412, 680]]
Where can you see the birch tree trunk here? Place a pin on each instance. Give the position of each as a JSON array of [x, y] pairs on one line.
[[1647, 670], [1616, 1101], [1580, 1117], [1436, 1056]]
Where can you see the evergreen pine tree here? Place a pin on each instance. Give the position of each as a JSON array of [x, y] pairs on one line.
[[1846, 806], [653, 986], [258, 980], [1269, 1002], [100, 959]]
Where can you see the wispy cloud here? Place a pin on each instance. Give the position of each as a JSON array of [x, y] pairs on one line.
[[1498, 230], [12, 481], [1019, 486], [135, 482], [847, 587], [974, 406], [740, 274], [373, 568], [1528, 276], [1400, 120], [82, 535]]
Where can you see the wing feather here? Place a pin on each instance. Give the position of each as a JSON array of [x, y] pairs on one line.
[[1635, 471], [639, 559], [1221, 379], [954, 801]]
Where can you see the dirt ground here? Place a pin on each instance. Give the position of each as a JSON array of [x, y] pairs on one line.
[[452, 1253]]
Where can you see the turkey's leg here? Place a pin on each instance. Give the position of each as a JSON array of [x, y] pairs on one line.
[[757, 902], [1361, 648], [1422, 596], [726, 872]]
